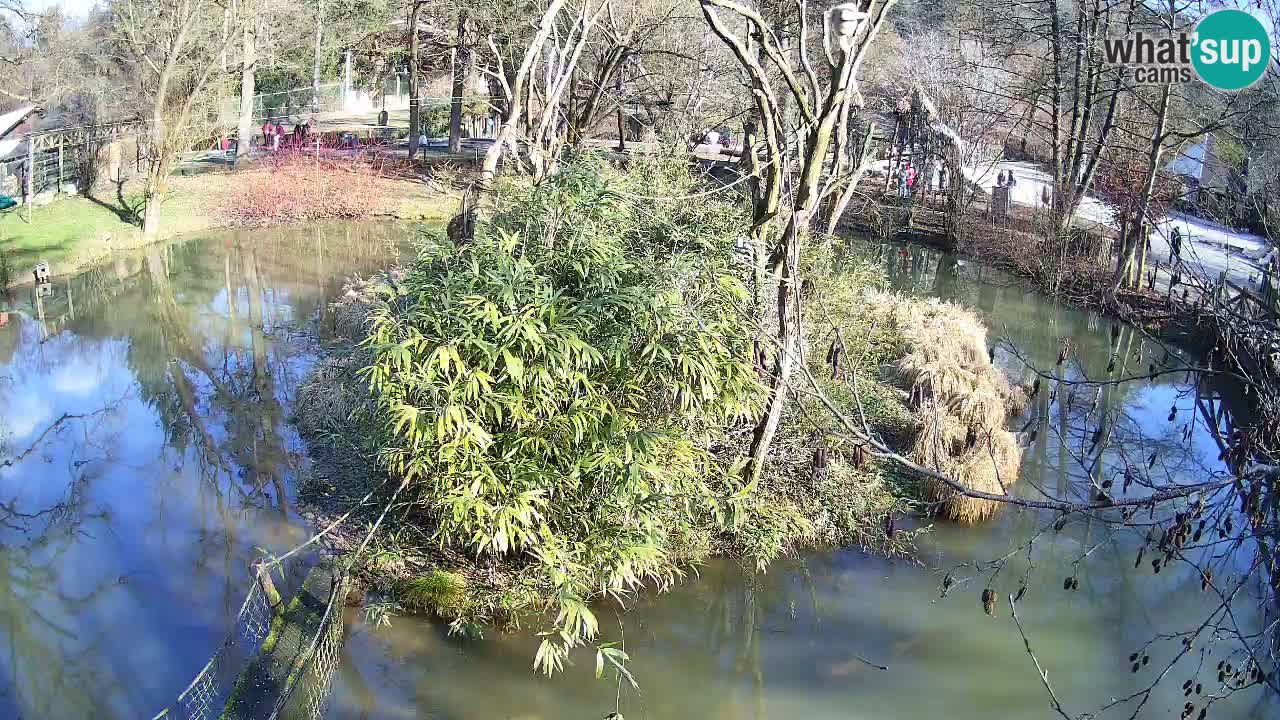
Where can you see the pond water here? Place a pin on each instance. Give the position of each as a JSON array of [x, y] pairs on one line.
[[153, 394], [167, 379]]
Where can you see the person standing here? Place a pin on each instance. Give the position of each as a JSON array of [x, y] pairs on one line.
[[1012, 180], [422, 143], [1175, 246], [902, 181], [268, 130], [1000, 179]]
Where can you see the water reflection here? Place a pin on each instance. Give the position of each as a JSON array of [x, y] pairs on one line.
[[145, 457], [807, 639]]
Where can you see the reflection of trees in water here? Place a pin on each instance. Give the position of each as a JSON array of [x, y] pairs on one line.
[[214, 336], [221, 385], [42, 641], [717, 637], [1124, 477]]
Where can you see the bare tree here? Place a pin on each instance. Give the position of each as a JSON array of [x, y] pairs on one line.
[[251, 22], [822, 103], [513, 89], [174, 46]]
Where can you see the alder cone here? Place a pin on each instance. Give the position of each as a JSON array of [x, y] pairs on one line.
[[989, 601]]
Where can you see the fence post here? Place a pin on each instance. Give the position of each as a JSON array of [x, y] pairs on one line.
[[59, 188], [268, 586], [31, 173]]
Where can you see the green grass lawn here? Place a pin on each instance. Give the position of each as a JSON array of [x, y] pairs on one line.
[[73, 231]]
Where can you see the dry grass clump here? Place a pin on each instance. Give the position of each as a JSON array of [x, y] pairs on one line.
[[333, 395], [347, 318], [961, 402], [986, 462]]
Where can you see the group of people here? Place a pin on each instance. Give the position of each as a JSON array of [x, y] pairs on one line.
[[908, 177], [1006, 179], [273, 133]]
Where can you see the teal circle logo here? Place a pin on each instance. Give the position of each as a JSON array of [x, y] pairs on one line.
[[1231, 49]]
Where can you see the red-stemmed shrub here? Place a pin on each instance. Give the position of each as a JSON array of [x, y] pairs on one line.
[[301, 184]]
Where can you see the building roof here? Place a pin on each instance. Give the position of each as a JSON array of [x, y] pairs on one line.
[[14, 118], [1191, 162], [8, 123]]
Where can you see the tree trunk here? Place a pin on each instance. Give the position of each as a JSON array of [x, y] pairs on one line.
[[315, 65], [1148, 187], [461, 66], [158, 166], [1060, 220], [415, 113], [515, 90], [151, 214], [806, 201], [609, 72], [861, 156], [244, 133]]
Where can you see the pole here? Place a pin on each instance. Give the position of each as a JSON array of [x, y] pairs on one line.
[[31, 174], [59, 188], [346, 78], [622, 127]]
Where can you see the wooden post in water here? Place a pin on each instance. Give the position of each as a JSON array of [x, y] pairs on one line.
[[268, 586]]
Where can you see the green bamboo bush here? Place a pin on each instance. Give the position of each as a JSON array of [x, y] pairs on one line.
[[555, 389], [569, 395]]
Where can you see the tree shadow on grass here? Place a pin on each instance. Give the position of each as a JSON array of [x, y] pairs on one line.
[[127, 213]]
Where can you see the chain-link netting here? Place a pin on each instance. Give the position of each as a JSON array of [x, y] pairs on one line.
[[276, 662], [310, 693], [203, 699], [279, 658]]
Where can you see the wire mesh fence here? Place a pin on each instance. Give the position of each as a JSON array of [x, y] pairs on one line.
[[286, 103], [205, 697], [306, 695], [278, 659]]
